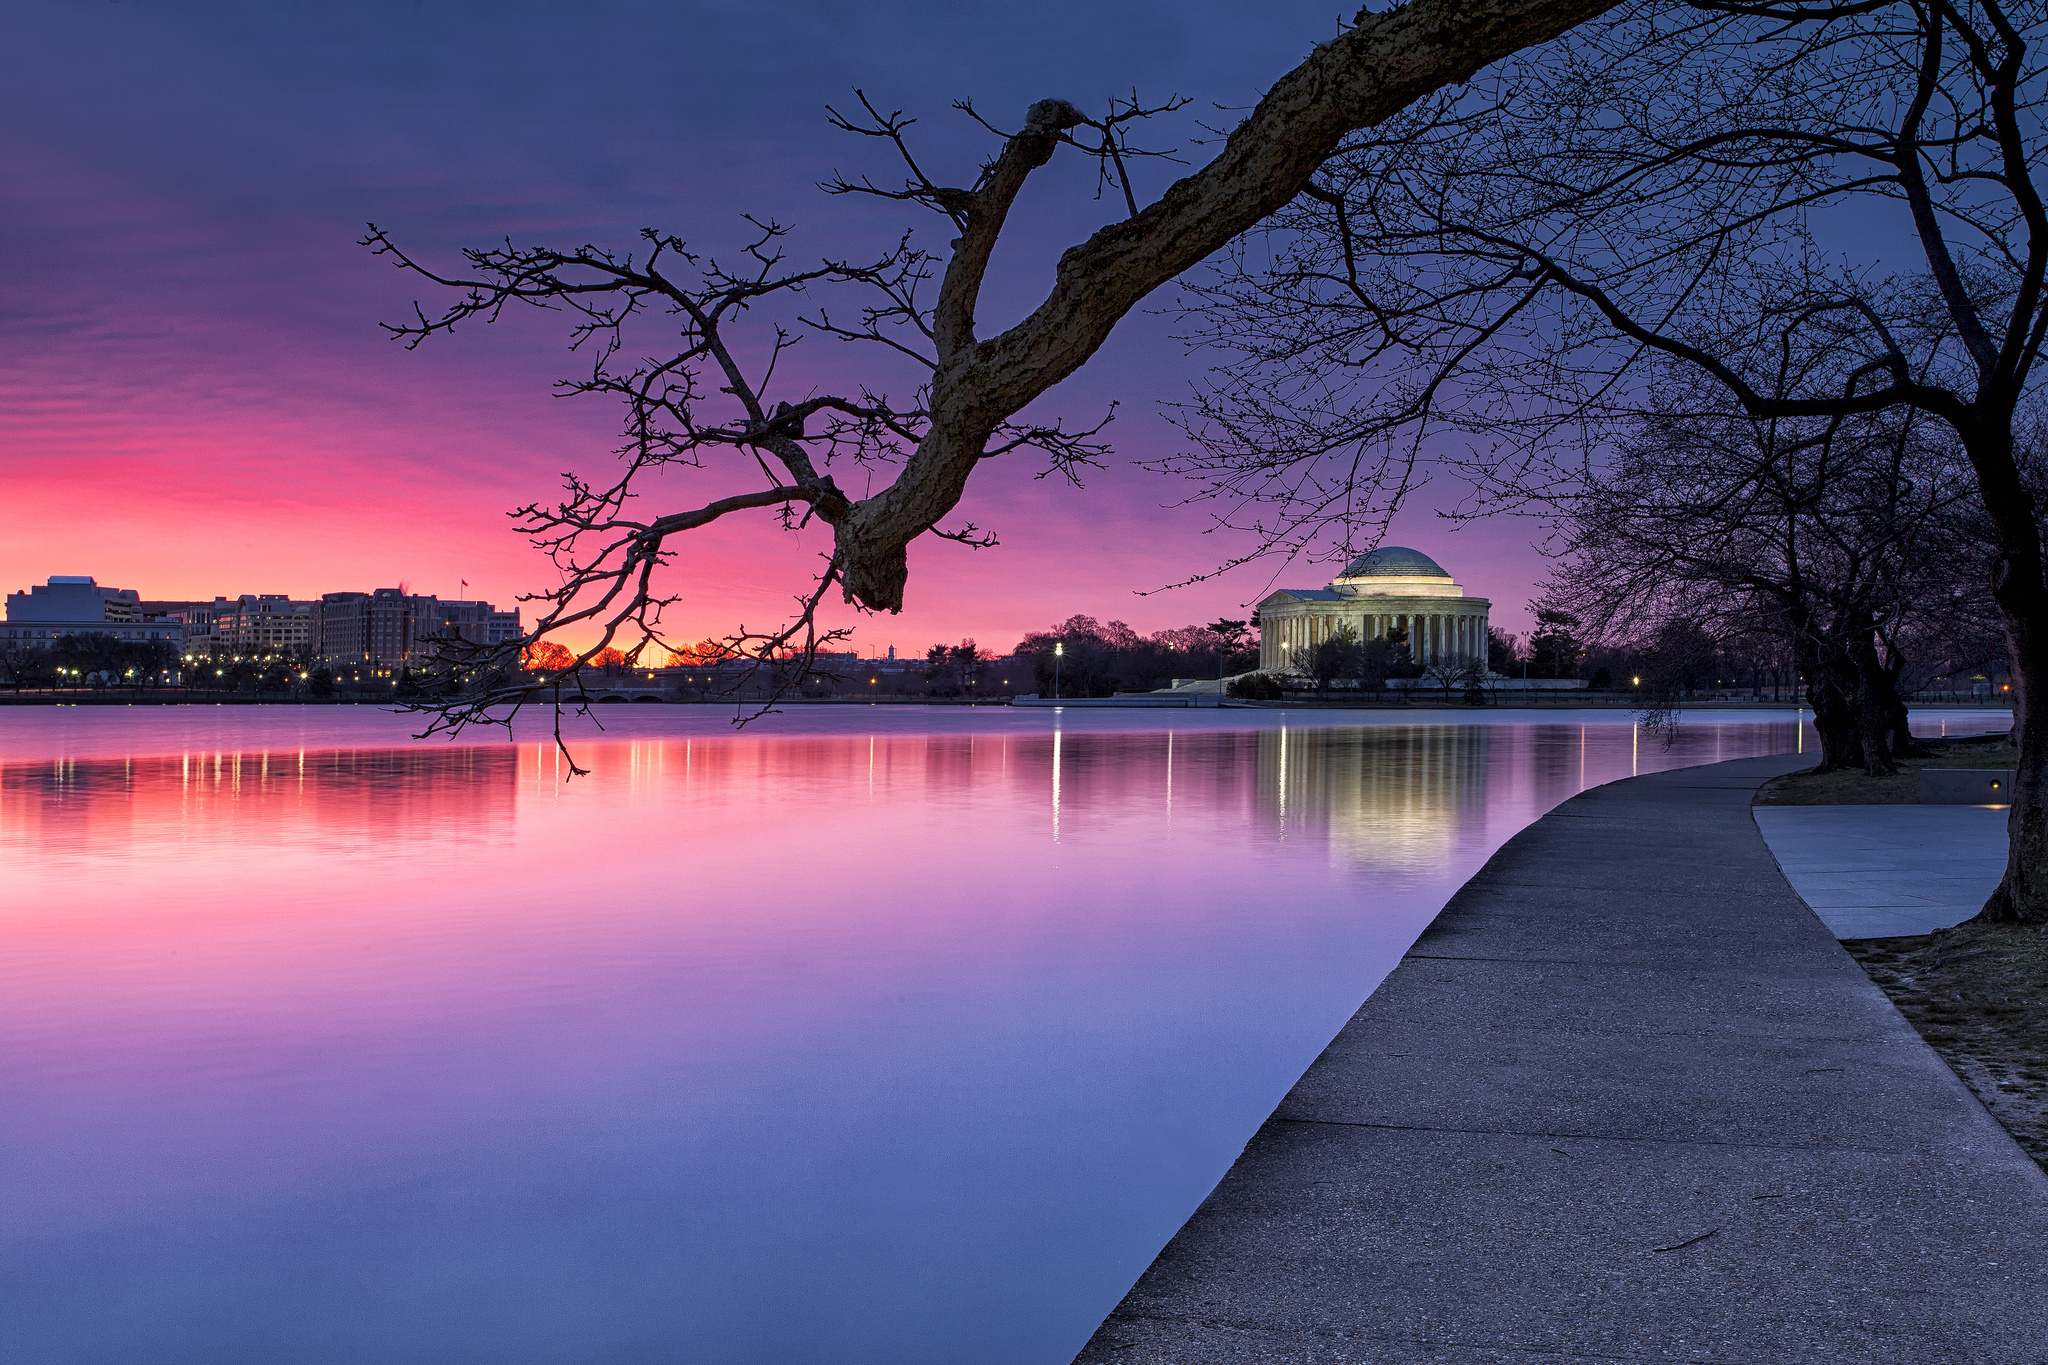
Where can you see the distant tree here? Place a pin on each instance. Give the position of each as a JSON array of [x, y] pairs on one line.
[[1472, 678], [1339, 656], [951, 670], [1102, 658], [1384, 657], [545, 656], [1447, 675], [703, 654], [969, 662], [1554, 649], [1670, 666], [321, 681], [1501, 656], [1231, 638], [95, 656], [22, 666]]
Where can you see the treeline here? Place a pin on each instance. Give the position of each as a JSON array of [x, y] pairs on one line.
[[94, 660], [1084, 657]]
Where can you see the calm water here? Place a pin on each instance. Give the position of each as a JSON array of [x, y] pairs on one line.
[[869, 1035]]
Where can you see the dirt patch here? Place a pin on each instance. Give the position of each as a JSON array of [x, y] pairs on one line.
[[1979, 996], [1852, 788]]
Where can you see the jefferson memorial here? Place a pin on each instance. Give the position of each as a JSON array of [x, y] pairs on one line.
[[1391, 588]]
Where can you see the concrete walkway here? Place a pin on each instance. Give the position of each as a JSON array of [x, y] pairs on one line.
[[1625, 1100], [1885, 871]]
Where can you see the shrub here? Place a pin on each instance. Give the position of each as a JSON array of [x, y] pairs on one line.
[[1255, 687]]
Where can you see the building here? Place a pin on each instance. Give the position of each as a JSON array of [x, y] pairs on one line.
[[390, 628], [74, 604], [254, 623], [1391, 589]]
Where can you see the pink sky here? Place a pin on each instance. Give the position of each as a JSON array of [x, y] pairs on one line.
[[197, 401]]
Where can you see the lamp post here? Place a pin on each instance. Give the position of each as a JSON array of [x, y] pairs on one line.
[[1059, 650]]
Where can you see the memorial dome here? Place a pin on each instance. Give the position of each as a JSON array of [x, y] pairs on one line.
[[1393, 561]]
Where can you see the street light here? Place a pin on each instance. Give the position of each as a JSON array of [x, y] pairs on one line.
[[1058, 650]]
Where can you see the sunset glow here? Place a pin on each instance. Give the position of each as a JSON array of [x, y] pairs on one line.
[[197, 399]]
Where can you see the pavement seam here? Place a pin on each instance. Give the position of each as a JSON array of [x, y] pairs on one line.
[[1604, 1137], [1429, 1343]]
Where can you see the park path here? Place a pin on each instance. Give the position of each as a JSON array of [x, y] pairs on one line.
[[1625, 1100]]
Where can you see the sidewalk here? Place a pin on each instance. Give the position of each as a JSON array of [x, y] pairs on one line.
[[1625, 1100], [1888, 871]]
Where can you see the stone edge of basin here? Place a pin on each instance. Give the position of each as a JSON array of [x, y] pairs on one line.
[[1625, 1098], [1965, 786]]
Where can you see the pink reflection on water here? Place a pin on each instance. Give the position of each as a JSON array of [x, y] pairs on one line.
[[899, 1044]]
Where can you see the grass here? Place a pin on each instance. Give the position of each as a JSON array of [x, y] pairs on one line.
[[1979, 995], [1852, 788]]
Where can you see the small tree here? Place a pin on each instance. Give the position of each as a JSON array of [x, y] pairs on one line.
[[1256, 687], [1231, 637], [1339, 656], [1447, 674], [546, 656], [1473, 680]]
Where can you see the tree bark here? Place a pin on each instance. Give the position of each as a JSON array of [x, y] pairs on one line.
[[1874, 696], [2017, 586], [2023, 896], [1898, 715], [1831, 695]]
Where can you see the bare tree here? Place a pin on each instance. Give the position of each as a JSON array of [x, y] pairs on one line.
[[1679, 185], [700, 404], [1843, 535], [1340, 655]]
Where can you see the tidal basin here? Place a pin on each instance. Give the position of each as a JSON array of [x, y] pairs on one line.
[[868, 1034]]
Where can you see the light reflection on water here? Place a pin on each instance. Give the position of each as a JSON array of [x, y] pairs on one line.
[[872, 1038]]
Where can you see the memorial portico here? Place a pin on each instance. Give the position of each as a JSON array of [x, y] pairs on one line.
[[1391, 589]]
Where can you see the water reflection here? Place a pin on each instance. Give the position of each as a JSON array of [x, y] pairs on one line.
[[62, 810], [879, 1045]]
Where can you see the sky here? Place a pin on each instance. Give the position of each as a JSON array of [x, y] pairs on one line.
[[196, 398]]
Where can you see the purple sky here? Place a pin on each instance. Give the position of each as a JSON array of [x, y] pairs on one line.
[[197, 399]]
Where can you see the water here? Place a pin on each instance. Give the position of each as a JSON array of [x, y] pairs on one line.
[[886, 1034]]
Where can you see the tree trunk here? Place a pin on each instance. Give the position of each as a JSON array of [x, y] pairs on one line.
[[2017, 586], [1834, 705], [1874, 698], [2022, 898], [1899, 719]]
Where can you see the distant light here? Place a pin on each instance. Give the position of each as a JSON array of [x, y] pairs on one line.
[[1635, 682]]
